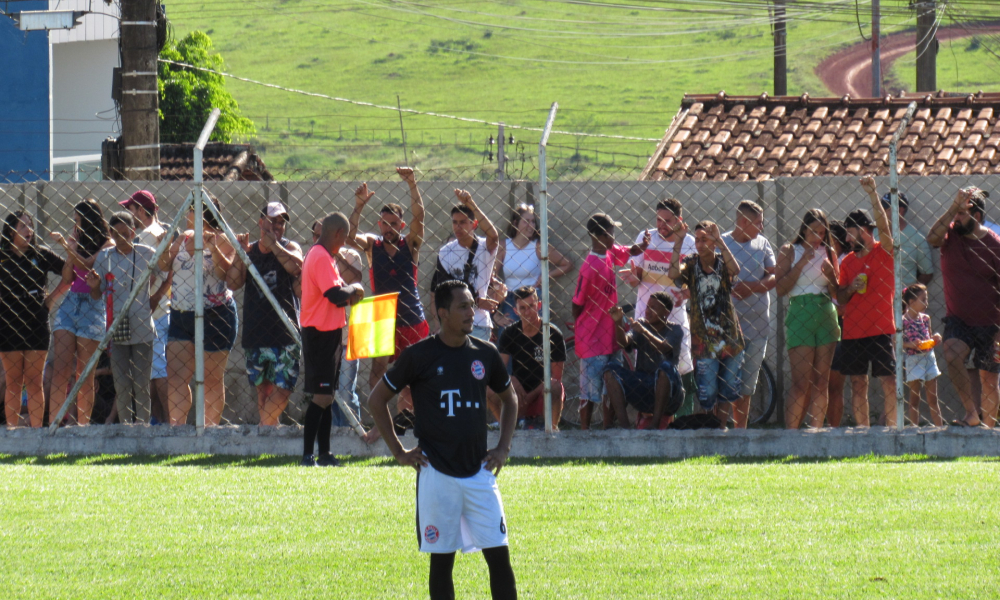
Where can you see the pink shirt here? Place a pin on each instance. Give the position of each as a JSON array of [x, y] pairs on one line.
[[597, 292], [319, 273], [79, 284]]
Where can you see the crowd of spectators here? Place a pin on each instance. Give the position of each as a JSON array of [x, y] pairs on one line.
[[702, 312]]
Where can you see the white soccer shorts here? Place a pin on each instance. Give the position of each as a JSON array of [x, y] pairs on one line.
[[456, 513]]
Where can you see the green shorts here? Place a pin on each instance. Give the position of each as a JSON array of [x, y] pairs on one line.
[[811, 321]]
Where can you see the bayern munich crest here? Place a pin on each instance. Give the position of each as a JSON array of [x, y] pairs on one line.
[[431, 534], [478, 370]]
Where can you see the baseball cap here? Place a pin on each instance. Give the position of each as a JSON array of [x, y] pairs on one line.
[[859, 218], [887, 201], [143, 198], [600, 223], [274, 209]]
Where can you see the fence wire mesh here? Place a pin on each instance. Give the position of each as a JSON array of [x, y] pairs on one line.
[[805, 353]]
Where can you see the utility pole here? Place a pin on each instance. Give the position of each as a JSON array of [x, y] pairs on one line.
[[780, 50], [140, 98], [876, 50], [500, 151], [927, 45]]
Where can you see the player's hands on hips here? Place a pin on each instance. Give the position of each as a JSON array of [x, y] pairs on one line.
[[413, 458], [495, 460]]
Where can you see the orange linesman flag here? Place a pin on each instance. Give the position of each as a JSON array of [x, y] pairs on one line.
[[372, 329]]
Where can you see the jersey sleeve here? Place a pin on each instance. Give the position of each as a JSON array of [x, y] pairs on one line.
[[769, 260], [506, 342], [557, 345], [52, 263], [619, 255], [402, 373], [499, 379]]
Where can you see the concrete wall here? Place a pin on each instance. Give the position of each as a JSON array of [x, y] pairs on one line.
[[24, 96]]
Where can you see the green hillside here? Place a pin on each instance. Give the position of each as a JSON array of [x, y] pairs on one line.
[[616, 70]]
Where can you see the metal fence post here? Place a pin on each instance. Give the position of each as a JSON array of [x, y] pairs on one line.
[[199, 273], [897, 306], [543, 207]]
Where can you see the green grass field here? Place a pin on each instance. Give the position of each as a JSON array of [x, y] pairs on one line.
[[613, 70], [208, 527], [963, 65]]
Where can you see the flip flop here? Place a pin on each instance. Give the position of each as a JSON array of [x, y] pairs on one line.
[[963, 423]]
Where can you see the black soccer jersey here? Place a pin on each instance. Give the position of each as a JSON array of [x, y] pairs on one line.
[[449, 399]]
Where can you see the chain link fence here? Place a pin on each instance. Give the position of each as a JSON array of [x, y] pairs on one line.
[[51, 319]]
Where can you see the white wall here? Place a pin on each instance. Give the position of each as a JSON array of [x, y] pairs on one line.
[[92, 27], [81, 88]]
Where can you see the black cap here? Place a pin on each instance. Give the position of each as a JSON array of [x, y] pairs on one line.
[[887, 201], [600, 224], [859, 218]]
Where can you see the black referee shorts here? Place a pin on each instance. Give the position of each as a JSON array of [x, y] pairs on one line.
[[321, 360]]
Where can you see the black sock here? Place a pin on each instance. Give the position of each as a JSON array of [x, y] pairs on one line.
[[323, 433], [502, 584], [441, 585], [310, 424]]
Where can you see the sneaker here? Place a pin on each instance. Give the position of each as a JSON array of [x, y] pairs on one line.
[[494, 426], [521, 424], [327, 460], [308, 461]]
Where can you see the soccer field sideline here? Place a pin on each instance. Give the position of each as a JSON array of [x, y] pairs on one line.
[[255, 527]]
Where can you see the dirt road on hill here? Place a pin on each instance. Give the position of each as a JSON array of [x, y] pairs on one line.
[[849, 70]]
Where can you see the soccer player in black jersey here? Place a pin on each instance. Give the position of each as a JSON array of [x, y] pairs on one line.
[[458, 503]]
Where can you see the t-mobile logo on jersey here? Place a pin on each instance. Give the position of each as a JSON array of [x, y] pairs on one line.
[[452, 403]]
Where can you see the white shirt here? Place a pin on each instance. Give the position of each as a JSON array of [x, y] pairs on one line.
[[148, 237], [453, 258]]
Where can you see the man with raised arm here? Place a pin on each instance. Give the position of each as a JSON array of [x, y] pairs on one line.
[[272, 356], [470, 258], [970, 268], [394, 258], [866, 293]]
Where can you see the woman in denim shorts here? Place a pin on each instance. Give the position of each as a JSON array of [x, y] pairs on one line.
[[80, 322], [220, 318]]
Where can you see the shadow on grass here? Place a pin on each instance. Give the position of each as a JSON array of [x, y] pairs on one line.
[[208, 461]]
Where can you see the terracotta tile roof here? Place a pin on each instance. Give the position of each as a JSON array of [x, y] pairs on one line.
[[222, 162], [737, 138]]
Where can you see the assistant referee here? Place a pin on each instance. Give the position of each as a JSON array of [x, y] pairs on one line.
[[458, 503], [324, 296]]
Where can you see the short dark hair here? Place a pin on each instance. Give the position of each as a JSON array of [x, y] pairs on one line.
[[392, 208], [912, 291], [444, 292], [315, 223], [838, 233], [209, 215], [978, 205], [663, 298], [703, 225], [524, 292], [671, 204], [859, 218], [465, 210], [122, 217], [600, 224], [904, 202], [749, 207]]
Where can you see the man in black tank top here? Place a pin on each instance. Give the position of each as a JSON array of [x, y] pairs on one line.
[[458, 503], [271, 352]]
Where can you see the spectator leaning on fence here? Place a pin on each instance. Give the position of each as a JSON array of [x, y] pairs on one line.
[[24, 314], [80, 320], [914, 251], [807, 273], [221, 320], [750, 296], [520, 260], [716, 339], [471, 259], [323, 318], [596, 293], [867, 292], [970, 267], [522, 350], [149, 231], [116, 273], [272, 354], [394, 258], [654, 386], [651, 271]]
